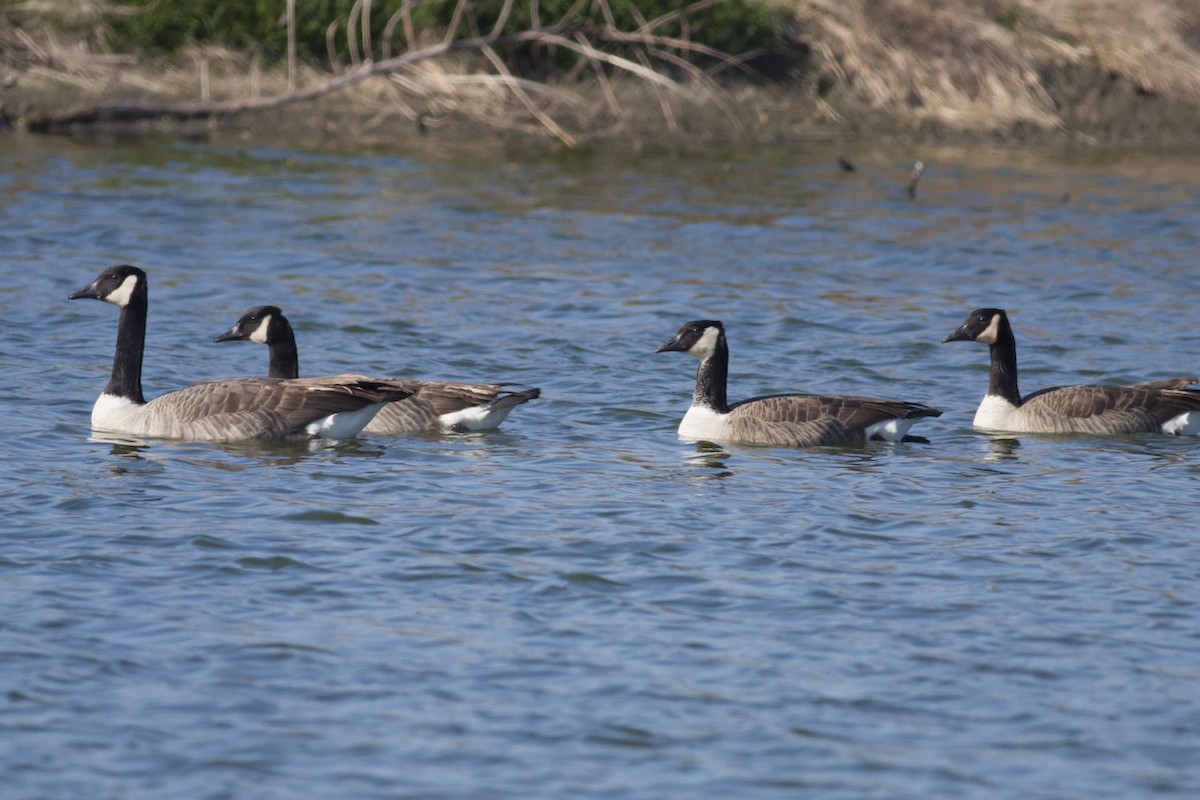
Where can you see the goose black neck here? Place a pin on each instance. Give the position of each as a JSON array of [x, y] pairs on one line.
[[126, 378], [711, 378], [285, 362], [1003, 379]]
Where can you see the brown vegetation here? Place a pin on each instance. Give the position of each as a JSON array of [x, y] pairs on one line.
[[1104, 70], [1101, 68]]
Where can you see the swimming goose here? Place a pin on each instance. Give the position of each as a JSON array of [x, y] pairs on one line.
[[796, 420], [433, 406], [1153, 407], [224, 410]]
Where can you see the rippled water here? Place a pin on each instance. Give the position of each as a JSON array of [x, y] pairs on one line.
[[580, 605]]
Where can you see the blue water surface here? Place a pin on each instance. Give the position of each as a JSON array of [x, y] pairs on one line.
[[580, 604]]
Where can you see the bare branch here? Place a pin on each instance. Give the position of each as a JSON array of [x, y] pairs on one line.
[[606, 12], [291, 45], [681, 14], [609, 97], [663, 103], [570, 12], [385, 42], [717, 95], [402, 15], [452, 28], [616, 61], [368, 53], [501, 20], [410, 34], [331, 46], [649, 41], [579, 31], [546, 121], [351, 34]]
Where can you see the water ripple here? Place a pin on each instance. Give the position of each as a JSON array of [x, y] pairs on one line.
[[580, 604]]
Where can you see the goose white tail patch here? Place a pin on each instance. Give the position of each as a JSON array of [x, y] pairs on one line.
[[483, 417], [344, 425], [893, 430], [1185, 424]]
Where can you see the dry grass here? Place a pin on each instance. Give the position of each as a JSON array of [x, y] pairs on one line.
[[995, 65], [937, 60], [1103, 69], [70, 83], [1153, 43]]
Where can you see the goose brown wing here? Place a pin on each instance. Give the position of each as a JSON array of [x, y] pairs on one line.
[[429, 401], [332, 395], [1181, 382], [446, 398], [1111, 409], [810, 420], [432, 399], [252, 407], [851, 411]]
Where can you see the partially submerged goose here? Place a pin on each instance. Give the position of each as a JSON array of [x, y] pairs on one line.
[[223, 410], [795, 420], [432, 406], [1162, 406]]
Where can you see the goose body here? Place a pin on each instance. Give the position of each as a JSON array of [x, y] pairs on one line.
[[1161, 406], [431, 405], [792, 420], [223, 410]]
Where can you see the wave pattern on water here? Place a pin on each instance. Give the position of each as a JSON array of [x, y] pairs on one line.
[[580, 604]]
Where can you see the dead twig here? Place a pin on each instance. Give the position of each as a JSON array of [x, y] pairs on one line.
[[526, 100], [578, 31]]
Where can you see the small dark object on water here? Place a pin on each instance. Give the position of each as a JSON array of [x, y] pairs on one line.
[[846, 164], [914, 179]]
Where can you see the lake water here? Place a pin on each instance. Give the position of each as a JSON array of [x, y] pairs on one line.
[[580, 605]]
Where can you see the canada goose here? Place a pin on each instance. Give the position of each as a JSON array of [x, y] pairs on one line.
[[796, 420], [1157, 406], [224, 410], [433, 405]]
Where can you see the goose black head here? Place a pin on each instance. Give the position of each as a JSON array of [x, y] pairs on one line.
[[261, 324], [982, 325], [698, 338], [118, 285]]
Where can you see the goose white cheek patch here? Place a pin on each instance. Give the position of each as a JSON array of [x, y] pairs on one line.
[[260, 333], [991, 333], [123, 293], [706, 344]]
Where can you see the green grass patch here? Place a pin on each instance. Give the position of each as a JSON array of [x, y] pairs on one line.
[[168, 26]]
